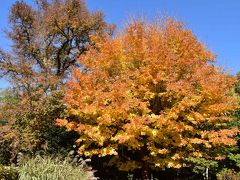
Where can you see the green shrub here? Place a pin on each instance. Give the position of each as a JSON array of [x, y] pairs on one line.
[[8, 173], [228, 174], [48, 168]]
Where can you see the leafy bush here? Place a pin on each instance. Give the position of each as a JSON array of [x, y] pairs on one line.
[[48, 168], [199, 165], [228, 174], [8, 173], [235, 158]]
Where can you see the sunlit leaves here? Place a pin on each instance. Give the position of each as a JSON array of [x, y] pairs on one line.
[[150, 98]]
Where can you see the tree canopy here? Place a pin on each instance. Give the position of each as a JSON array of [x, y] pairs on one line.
[[149, 98]]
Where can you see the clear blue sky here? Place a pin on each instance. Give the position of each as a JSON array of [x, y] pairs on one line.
[[214, 22]]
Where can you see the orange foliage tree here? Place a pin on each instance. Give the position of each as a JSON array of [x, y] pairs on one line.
[[150, 98]]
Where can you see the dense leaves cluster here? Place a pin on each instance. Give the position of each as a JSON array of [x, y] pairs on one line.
[[148, 101], [149, 98]]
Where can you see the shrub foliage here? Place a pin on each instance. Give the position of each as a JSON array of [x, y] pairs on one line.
[[53, 169]]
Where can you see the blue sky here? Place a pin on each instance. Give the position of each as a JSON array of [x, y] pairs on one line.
[[215, 22]]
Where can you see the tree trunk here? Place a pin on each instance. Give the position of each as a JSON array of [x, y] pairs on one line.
[[145, 175]]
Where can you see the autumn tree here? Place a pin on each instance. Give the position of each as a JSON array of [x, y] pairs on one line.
[[149, 98], [46, 41], [233, 161]]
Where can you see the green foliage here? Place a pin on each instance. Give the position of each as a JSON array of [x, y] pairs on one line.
[[6, 96], [228, 174], [199, 165], [235, 158], [39, 168], [8, 173]]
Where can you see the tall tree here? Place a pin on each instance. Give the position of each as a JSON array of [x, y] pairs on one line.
[[46, 41], [149, 98]]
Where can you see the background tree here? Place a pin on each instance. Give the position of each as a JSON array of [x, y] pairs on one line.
[[46, 41], [233, 160], [149, 98]]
